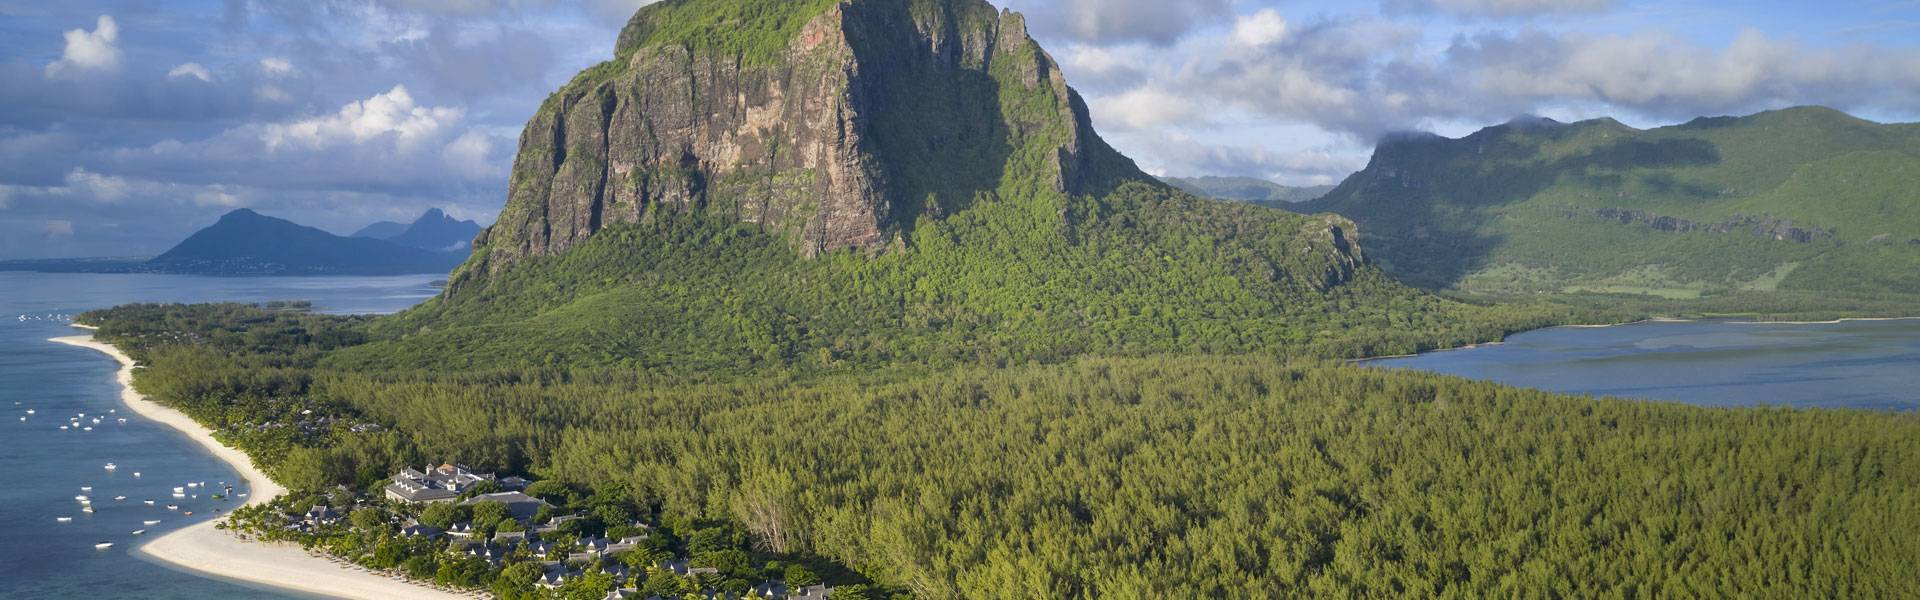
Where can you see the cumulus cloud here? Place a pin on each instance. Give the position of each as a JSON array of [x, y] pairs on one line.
[[1367, 77], [1259, 29], [276, 67], [1497, 8], [193, 70], [95, 50], [393, 113], [58, 228], [95, 186]]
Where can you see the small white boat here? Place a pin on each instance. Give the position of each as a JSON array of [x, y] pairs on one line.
[[30, 411], [139, 532], [151, 523], [136, 473], [240, 495], [149, 502], [110, 466], [90, 429], [173, 507], [86, 509], [113, 410], [179, 495], [103, 545], [119, 498], [191, 485], [179, 490], [86, 503], [63, 428], [82, 498], [123, 420], [63, 519], [86, 488], [96, 420]]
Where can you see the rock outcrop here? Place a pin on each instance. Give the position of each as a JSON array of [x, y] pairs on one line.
[[859, 117], [1783, 230]]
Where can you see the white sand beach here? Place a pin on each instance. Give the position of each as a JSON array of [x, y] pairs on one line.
[[202, 548]]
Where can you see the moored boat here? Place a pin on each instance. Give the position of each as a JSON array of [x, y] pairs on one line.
[[103, 545]]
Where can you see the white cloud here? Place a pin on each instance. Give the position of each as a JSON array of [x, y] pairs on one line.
[[193, 70], [1259, 29], [472, 154], [89, 50], [58, 228], [1147, 107], [6, 197], [95, 186], [218, 196], [393, 113], [277, 67]]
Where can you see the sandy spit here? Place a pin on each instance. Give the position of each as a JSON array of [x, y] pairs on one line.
[[203, 549]]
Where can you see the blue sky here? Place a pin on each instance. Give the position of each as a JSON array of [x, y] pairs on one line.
[[127, 124]]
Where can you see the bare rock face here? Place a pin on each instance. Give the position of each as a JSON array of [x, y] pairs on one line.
[[876, 113]]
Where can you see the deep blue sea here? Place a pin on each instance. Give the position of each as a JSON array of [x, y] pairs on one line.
[[42, 467], [1871, 365]]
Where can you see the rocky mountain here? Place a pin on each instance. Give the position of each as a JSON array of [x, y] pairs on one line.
[[438, 232], [1247, 189], [1806, 202], [823, 184], [245, 242], [832, 124]]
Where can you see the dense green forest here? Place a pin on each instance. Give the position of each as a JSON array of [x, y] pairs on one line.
[[1146, 270], [1805, 207], [1110, 477]]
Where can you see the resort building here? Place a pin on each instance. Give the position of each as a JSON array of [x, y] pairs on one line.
[[444, 483]]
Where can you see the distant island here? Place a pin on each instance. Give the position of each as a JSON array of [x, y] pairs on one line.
[[247, 243], [1250, 190]]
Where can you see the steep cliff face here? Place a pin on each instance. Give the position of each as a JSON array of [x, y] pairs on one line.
[[833, 124]]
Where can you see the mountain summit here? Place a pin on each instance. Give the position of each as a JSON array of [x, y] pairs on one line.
[[833, 124]]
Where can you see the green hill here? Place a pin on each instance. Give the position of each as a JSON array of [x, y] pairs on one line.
[[1805, 203]]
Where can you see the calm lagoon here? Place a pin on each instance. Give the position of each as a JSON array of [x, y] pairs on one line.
[[1871, 365]]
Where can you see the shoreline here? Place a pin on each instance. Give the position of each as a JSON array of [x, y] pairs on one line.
[[1648, 321], [204, 549]]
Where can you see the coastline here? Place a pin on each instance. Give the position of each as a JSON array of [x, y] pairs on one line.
[[1654, 320], [204, 549]]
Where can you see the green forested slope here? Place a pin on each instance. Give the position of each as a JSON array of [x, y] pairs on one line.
[[1518, 209], [1146, 270], [1115, 478]]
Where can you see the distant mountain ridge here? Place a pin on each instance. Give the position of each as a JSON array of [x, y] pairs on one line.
[[438, 232], [1247, 189], [1806, 200], [381, 230], [245, 242]]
